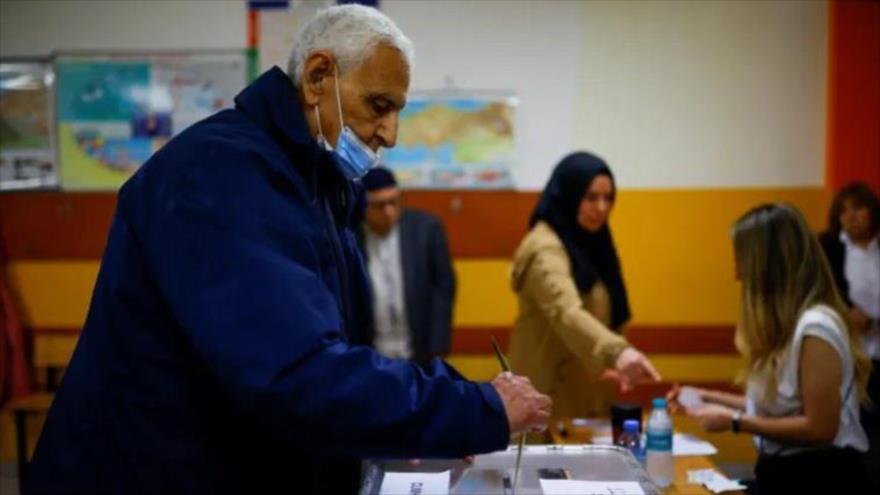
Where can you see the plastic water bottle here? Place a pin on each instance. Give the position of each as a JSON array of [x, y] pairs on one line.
[[631, 440], [659, 445]]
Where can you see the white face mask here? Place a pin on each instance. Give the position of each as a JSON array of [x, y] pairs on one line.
[[355, 158]]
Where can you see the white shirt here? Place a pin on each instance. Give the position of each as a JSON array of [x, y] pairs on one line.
[[822, 322], [862, 272], [389, 312]]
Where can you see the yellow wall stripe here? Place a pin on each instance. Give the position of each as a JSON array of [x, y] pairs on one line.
[[53, 293], [676, 249]]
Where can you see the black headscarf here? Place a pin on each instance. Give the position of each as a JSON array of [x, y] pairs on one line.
[[593, 255]]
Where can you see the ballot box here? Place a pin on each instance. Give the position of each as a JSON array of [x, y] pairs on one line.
[[572, 469]]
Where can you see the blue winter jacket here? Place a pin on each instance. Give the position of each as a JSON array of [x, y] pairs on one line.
[[219, 354]]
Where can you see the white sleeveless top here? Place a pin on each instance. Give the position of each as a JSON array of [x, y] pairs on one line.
[[822, 322]]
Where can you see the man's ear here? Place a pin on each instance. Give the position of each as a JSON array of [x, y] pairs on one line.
[[318, 71]]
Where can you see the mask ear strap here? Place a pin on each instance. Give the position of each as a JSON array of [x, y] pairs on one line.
[[318, 118], [338, 99]]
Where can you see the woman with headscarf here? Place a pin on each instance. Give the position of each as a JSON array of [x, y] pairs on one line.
[[572, 298]]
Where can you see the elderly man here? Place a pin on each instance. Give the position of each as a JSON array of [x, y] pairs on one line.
[[215, 356], [412, 277]]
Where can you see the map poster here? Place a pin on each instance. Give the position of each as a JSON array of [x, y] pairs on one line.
[[115, 111], [455, 140], [27, 159]]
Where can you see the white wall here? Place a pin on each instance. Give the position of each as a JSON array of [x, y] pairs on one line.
[[674, 94], [695, 94], [38, 27]]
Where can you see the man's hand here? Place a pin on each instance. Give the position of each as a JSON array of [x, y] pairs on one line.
[[526, 408], [633, 368]]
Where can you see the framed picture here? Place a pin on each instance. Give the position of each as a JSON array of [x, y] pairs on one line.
[[27, 156], [455, 140], [115, 110]]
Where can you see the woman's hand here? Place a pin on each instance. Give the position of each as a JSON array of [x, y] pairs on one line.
[[677, 407], [713, 417], [633, 368]]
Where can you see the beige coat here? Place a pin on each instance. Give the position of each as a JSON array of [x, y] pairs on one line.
[[561, 339]]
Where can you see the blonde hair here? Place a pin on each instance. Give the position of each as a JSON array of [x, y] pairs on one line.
[[784, 272]]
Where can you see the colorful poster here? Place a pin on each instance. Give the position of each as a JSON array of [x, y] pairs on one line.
[[455, 141], [114, 112], [27, 159]]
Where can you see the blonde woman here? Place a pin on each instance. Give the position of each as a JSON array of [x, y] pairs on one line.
[[572, 297], [806, 372]]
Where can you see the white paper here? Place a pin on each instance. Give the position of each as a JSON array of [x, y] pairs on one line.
[[578, 487], [685, 445], [713, 480], [724, 485], [689, 398], [602, 440], [415, 483], [700, 476]]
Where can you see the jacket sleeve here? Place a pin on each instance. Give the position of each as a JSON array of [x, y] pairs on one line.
[[547, 281], [247, 296], [443, 289]]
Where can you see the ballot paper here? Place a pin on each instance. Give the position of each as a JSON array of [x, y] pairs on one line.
[[713, 480], [578, 487], [689, 398], [700, 476], [415, 483], [684, 445]]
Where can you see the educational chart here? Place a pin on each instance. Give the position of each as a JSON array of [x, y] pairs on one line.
[[114, 112], [455, 141], [27, 159]]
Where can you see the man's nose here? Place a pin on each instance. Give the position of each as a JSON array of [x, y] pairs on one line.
[[387, 131]]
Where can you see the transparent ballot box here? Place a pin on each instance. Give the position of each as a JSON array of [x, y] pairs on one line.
[[493, 474]]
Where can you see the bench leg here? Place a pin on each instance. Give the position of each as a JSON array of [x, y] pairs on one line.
[[21, 445]]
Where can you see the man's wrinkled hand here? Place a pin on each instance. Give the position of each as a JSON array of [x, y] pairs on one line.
[[526, 408]]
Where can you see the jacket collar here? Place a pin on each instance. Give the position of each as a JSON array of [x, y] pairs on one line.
[[272, 103]]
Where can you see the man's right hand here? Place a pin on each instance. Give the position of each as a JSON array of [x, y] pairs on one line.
[[526, 408]]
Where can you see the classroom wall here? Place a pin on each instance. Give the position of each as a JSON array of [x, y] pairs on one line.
[[713, 94], [675, 94], [702, 108]]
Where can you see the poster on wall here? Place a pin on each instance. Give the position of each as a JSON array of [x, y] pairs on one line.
[[27, 158], [455, 140], [115, 111]]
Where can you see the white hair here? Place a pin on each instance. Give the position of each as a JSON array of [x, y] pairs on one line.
[[351, 32]]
